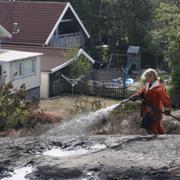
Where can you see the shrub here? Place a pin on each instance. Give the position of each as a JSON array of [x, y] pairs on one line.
[[13, 106], [85, 104], [79, 66]]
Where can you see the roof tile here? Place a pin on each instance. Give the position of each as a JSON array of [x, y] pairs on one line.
[[35, 19]]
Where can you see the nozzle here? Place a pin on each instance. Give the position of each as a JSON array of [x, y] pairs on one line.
[[125, 100]]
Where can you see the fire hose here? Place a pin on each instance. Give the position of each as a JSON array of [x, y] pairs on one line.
[[148, 104]]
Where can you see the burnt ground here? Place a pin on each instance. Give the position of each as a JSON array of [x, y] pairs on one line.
[[122, 157], [112, 148], [125, 119]]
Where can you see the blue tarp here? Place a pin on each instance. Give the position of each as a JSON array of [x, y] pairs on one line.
[[129, 81], [120, 81]]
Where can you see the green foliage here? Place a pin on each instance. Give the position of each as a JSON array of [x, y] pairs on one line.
[[167, 34], [166, 31], [128, 107], [85, 104], [111, 21], [71, 53], [119, 23], [103, 52], [165, 78], [13, 107], [80, 65]]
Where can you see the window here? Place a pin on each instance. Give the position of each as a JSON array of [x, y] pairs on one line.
[[29, 67], [24, 68], [16, 70]]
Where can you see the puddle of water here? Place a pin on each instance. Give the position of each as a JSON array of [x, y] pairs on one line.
[[62, 153], [19, 173], [57, 152]]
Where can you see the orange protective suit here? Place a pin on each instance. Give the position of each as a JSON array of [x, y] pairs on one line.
[[156, 100]]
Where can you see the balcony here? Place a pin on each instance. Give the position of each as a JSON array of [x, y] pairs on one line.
[[69, 40]]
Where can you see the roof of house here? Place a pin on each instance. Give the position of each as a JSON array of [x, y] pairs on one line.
[[4, 33], [80, 52], [35, 22], [133, 50], [53, 59], [11, 55]]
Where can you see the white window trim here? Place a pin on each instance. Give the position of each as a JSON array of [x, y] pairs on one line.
[[33, 73], [22, 70], [14, 77]]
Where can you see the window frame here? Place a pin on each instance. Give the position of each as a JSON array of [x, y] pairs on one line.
[[33, 60], [15, 64], [22, 68]]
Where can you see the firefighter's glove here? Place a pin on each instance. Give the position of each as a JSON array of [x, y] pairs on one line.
[[167, 111], [134, 98]]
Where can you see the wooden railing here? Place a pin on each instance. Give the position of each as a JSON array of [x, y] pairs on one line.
[[66, 40], [104, 91]]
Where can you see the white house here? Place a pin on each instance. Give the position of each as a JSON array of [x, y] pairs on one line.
[[53, 64], [51, 77], [21, 67]]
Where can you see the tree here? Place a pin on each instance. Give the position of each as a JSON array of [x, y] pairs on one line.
[[167, 32], [79, 66], [116, 23], [136, 16]]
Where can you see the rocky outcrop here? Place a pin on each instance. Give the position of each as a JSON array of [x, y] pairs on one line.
[[102, 157], [73, 150]]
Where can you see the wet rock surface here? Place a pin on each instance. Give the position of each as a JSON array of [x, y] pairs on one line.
[[75, 150], [104, 157]]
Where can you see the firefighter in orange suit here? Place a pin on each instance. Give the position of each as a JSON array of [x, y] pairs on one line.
[[155, 101]]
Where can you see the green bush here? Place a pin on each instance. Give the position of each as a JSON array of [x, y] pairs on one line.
[[85, 104], [79, 66], [12, 106], [127, 108]]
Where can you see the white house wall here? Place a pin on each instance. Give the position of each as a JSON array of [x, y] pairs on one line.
[[6, 71], [44, 90], [31, 82]]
